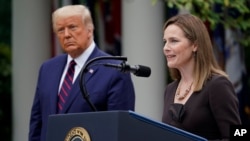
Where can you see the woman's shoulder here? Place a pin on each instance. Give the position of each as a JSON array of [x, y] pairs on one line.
[[218, 79], [219, 83]]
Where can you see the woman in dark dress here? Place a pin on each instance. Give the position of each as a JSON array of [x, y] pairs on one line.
[[201, 99]]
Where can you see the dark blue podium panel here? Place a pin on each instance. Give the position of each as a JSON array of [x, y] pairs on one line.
[[114, 126]]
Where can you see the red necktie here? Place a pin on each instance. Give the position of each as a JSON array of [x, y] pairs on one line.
[[66, 86]]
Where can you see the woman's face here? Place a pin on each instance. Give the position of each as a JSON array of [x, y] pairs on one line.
[[177, 48]]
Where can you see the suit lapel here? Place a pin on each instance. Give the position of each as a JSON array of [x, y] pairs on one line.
[[87, 75], [57, 73], [76, 90]]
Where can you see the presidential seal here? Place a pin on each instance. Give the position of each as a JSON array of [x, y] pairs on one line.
[[77, 134]]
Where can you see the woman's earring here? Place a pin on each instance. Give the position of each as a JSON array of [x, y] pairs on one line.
[[194, 53]]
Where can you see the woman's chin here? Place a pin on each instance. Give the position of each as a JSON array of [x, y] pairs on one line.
[[171, 65]]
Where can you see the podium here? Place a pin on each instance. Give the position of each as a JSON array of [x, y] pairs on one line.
[[113, 126]]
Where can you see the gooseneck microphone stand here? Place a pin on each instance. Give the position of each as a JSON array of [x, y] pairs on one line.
[[85, 69]]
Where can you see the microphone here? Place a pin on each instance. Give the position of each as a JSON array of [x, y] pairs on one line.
[[138, 70]]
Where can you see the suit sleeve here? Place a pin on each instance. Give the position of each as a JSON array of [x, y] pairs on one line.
[[35, 125]]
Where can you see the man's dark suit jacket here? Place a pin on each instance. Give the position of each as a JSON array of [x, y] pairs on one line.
[[108, 89]]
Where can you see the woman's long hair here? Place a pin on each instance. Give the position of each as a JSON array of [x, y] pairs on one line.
[[205, 62]]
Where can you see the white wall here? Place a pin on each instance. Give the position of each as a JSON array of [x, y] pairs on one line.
[[30, 47], [142, 34]]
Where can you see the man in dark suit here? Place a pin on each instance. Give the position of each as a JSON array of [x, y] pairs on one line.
[[108, 88]]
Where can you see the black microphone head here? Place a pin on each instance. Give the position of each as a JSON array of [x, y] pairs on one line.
[[143, 71]]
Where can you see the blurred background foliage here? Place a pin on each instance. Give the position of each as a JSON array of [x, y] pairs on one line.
[[231, 14], [5, 70]]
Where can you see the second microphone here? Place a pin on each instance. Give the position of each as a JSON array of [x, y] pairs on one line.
[[138, 70]]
